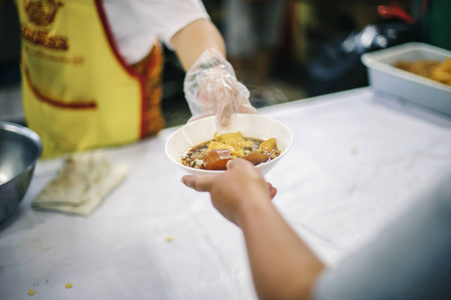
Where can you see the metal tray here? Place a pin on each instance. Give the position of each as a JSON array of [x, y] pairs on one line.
[[385, 77]]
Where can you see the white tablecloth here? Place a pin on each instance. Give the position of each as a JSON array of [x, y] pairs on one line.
[[358, 160]]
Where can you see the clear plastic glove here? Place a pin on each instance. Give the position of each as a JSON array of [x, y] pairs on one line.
[[211, 88]]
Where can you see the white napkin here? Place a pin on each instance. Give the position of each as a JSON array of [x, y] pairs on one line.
[[82, 183]]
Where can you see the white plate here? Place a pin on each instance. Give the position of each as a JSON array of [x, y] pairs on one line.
[[250, 125]]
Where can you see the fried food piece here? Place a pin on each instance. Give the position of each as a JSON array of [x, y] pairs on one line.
[[433, 69], [217, 159], [269, 147], [232, 139], [234, 151], [257, 158]]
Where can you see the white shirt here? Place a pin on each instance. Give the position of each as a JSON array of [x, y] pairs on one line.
[[410, 259], [138, 24]]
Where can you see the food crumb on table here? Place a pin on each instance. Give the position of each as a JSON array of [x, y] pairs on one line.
[[31, 292], [169, 239], [69, 285]]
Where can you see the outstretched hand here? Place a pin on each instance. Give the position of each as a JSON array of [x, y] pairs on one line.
[[242, 185], [283, 266]]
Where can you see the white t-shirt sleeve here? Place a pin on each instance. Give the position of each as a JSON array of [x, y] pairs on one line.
[[167, 17], [411, 259], [137, 24]]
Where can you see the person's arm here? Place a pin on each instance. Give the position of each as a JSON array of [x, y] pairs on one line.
[[210, 85], [282, 265], [190, 42]]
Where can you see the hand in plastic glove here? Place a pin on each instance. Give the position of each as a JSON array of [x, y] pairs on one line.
[[211, 88]]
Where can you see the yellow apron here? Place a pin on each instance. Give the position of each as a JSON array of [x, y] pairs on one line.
[[78, 91]]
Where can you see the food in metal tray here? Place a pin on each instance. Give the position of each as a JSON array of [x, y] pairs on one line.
[[214, 154], [433, 69]]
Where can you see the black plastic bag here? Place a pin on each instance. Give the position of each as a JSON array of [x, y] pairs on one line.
[[335, 65]]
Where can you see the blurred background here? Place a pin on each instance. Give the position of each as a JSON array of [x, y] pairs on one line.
[[289, 51]]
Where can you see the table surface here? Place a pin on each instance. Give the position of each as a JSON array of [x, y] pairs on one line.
[[358, 160]]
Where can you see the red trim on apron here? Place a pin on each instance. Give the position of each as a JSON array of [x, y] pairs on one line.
[[142, 81], [142, 78], [56, 102]]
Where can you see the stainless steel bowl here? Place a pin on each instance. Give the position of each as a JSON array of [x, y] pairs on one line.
[[20, 149]]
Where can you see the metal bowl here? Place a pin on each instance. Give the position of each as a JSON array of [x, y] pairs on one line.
[[20, 149]]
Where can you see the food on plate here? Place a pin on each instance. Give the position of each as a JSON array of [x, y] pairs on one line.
[[214, 154], [433, 69]]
